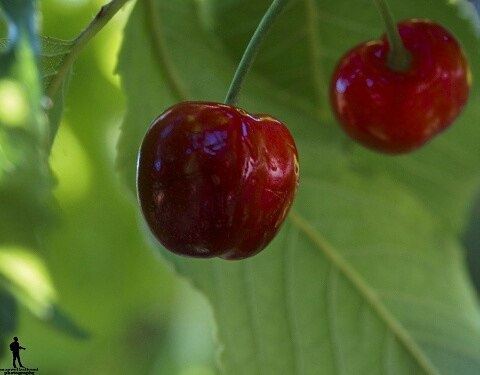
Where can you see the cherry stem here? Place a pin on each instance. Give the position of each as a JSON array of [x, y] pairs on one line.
[[399, 58], [251, 51]]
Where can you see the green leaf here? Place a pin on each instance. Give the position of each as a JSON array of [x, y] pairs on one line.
[[367, 275], [26, 181], [24, 176], [53, 54], [25, 276]]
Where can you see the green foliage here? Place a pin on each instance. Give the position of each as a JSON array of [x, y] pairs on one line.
[[25, 276], [23, 132], [139, 318], [54, 52], [22, 136], [367, 275], [26, 201]]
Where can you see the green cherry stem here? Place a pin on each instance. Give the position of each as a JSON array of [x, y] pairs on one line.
[[252, 49], [399, 58]]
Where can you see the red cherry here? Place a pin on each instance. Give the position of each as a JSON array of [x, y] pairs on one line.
[[214, 180], [396, 112]]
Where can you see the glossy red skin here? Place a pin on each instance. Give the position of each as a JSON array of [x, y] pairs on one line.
[[214, 181], [396, 112]]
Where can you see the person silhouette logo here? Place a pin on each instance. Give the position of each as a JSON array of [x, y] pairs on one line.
[[15, 348]]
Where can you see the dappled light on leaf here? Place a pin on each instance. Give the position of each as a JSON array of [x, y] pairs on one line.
[[13, 104], [69, 160], [26, 276]]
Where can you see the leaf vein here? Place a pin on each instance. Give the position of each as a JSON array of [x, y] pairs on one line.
[[366, 292], [254, 327], [331, 289], [289, 269]]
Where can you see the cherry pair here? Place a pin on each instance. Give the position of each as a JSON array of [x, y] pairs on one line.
[[215, 181]]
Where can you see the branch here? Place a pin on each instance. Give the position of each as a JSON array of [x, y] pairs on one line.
[[101, 19]]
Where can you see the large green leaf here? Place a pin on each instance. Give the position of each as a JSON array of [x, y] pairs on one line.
[[367, 275]]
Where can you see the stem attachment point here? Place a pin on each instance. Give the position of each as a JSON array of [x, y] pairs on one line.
[[399, 58]]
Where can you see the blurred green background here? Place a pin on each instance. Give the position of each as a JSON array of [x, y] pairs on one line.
[[145, 320], [142, 319]]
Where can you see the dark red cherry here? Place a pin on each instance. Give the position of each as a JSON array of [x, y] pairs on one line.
[[215, 181], [396, 112]]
